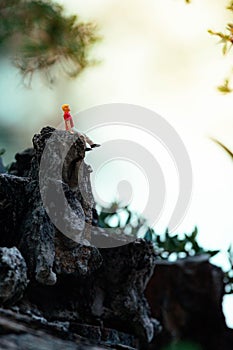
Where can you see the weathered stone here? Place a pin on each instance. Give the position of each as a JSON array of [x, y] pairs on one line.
[[13, 276], [24, 213], [22, 165], [121, 282], [106, 335], [13, 202], [37, 244], [78, 260], [79, 290], [19, 332], [55, 228]]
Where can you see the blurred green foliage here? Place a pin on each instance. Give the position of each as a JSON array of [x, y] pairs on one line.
[[38, 36], [226, 39], [229, 273], [168, 246], [2, 151], [225, 87]]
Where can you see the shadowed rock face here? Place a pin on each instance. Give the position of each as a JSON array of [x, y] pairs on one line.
[[71, 279], [37, 235], [120, 285]]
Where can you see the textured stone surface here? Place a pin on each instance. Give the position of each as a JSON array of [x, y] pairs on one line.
[[13, 275], [23, 214], [83, 294], [21, 331], [122, 279], [114, 293], [186, 296], [18, 334], [85, 290], [12, 207], [22, 164]]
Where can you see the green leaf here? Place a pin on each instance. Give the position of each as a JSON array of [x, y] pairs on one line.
[[224, 49], [148, 236], [230, 153], [212, 252], [195, 232], [2, 151], [225, 88]]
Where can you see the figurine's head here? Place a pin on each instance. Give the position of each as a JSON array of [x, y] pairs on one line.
[[65, 108]]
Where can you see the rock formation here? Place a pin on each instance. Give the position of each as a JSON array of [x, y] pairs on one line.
[[66, 283], [77, 288]]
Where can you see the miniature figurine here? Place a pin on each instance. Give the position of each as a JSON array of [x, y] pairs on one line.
[[68, 118], [69, 124]]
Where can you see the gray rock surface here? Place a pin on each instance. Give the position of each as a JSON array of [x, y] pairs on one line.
[[20, 332], [13, 276], [22, 165], [13, 202], [98, 292], [121, 282]]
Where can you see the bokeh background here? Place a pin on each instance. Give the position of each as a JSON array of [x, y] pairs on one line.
[[157, 54]]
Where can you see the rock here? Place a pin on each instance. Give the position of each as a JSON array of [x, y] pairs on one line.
[[87, 284], [22, 165], [186, 297], [23, 214], [121, 282], [78, 260], [13, 276], [106, 335], [23, 332], [13, 202], [47, 210]]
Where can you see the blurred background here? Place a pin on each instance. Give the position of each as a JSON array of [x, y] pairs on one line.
[[157, 54]]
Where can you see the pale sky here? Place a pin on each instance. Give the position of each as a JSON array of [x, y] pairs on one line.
[[157, 54]]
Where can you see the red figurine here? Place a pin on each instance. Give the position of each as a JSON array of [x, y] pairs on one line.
[[70, 124], [68, 118]]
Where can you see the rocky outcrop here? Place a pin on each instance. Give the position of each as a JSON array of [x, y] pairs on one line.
[[66, 283], [47, 211], [119, 296]]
